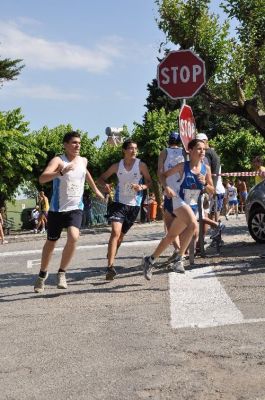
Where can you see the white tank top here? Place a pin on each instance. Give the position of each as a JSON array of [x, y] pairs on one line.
[[174, 157], [124, 193], [68, 189]]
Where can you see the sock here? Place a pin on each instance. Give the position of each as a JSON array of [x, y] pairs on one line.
[[151, 259], [43, 274], [61, 270]]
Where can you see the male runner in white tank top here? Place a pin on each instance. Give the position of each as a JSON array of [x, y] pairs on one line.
[[68, 173], [125, 207], [168, 158]]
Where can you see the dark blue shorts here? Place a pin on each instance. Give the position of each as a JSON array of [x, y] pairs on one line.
[[123, 213], [168, 205], [57, 221], [218, 203]]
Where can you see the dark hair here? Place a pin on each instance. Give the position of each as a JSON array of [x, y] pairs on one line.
[[69, 135], [127, 143], [193, 143]]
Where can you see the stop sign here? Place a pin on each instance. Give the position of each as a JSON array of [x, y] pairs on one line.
[[187, 128], [181, 74]]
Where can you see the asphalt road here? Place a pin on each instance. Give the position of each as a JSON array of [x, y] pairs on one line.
[[199, 336]]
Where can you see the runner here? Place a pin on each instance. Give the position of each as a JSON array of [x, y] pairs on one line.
[[195, 176], [125, 207], [68, 173], [168, 158]]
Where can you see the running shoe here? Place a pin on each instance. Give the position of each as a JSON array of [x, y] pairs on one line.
[[172, 257], [61, 283], [40, 284], [178, 265], [110, 273], [219, 229], [148, 268]]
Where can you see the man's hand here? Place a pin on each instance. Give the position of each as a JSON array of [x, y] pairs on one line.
[[68, 167], [136, 187]]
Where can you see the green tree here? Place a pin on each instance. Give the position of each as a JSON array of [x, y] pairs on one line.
[[152, 137], [235, 67], [242, 144], [9, 69], [17, 153]]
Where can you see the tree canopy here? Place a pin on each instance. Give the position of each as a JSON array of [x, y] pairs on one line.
[[17, 153], [9, 69], [235, 66]]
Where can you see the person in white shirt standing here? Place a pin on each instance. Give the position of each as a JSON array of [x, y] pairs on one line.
[[68, 173], [133, 177]]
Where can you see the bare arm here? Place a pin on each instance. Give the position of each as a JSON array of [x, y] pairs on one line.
[[178, 168], [160, 168], [101, 181], [147, 178], [207, 180], [52, 170], [93, 186]]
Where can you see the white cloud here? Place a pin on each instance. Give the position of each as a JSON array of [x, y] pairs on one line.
[[38, 52], [42, 92]]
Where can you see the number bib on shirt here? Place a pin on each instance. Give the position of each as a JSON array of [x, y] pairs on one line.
[[128, 190], [191, 196], [74, 189]]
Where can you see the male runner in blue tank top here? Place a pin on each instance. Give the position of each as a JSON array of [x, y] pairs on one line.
[[125, 207], [68, 173]]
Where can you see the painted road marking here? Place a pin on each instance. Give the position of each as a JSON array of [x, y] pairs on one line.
[[33, 263], [85, 247], [197, 299]]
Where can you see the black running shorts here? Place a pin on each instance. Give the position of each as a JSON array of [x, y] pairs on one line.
[[57, 221], [124, 214]]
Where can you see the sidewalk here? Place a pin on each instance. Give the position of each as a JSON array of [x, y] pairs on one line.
[[27, 235]]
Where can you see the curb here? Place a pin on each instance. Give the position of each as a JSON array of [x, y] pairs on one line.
[[29, 235]]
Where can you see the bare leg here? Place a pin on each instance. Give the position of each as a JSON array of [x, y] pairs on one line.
[[114, 241], [69, 248], [168, 219], [47, 254], [2, 236], [185, 223]]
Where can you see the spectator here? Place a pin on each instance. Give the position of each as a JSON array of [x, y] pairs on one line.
[[232, 199], [257, 165], [242, 192], [43, 209], [35, 215]]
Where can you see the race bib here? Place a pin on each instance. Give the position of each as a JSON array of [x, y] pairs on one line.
[[128, 190], [191, 196], [74, 189]]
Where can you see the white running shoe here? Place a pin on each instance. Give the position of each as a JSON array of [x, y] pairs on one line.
[[62, 284]]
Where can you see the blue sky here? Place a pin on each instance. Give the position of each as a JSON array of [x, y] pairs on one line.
[[87, 62]]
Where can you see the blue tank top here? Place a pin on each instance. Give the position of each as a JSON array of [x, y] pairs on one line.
[[191, 187]]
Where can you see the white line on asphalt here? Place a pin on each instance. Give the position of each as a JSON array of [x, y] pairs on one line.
[[197, 299], [31, 263], [85, 247]]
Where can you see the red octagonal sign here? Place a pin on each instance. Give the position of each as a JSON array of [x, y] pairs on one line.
[[187, 128], [181, 74]]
